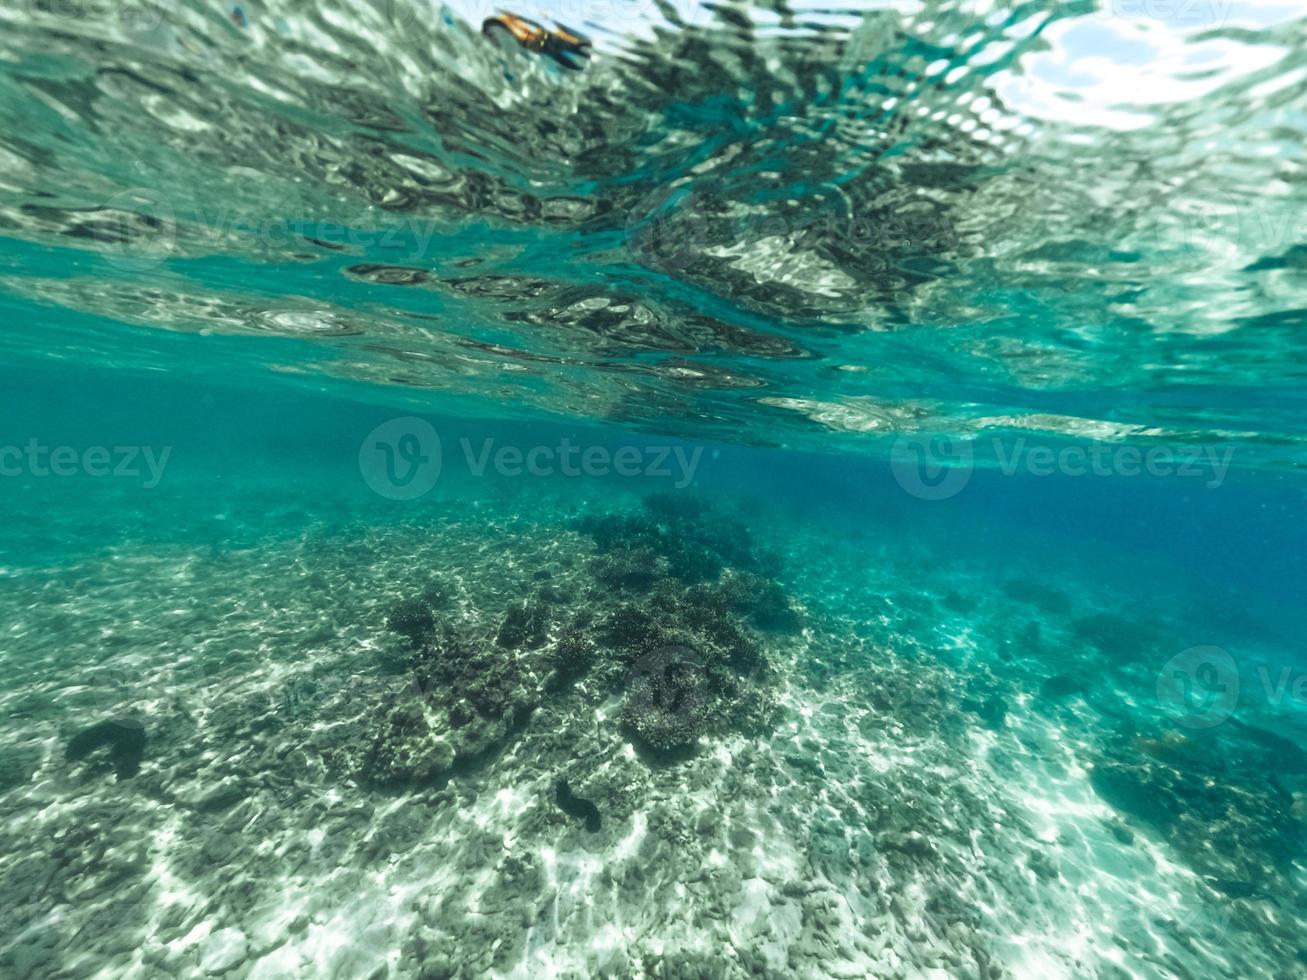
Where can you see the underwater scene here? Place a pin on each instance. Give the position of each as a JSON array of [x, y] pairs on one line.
[[653, 489]]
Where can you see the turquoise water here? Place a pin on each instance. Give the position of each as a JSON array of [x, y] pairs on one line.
[[819, 493]]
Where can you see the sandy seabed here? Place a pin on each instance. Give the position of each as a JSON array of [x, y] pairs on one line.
[[431, 751]]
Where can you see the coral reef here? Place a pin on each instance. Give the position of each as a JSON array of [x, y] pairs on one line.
[[525, 626], [668, 701], [1224, 800], [535, 767], [667, 615]]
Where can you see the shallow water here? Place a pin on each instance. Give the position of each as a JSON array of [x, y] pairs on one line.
[[819, 493]]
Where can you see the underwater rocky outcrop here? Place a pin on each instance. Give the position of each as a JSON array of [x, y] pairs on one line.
[[118, 743], [669, 699], [462, 698], [1227, 800], [669, 612]]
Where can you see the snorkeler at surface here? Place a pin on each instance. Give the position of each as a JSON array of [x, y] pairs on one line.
[[563, 45]]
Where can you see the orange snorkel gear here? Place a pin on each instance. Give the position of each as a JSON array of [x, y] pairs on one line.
[[561, 44]]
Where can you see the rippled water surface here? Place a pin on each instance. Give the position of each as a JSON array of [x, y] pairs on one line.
[[799, 226], [818, 493]]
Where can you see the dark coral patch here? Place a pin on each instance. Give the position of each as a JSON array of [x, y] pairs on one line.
[[414, 620], [667, 615], [668, 700], [526, 626], [576, 806], [124, 742]]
